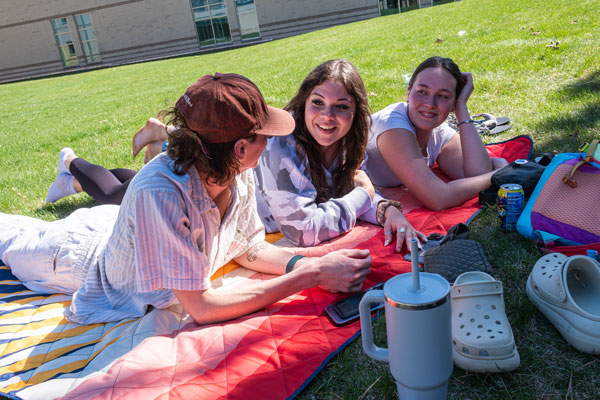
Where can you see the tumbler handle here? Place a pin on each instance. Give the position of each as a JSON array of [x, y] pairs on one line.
[[378, 353]]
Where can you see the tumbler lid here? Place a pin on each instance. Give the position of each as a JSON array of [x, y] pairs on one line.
[[434, 291]]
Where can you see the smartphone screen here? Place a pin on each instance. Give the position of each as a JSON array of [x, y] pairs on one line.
[[349, 306], [345, 311]]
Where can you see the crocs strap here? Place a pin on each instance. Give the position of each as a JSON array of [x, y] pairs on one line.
[[477, 289], [547, 277]]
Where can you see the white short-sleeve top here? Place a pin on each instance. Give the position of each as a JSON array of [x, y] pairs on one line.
[[392, 117]]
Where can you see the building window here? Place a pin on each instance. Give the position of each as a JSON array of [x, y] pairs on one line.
[[408, 5], [246, 11], [212, 25], [64, 42], [87, 38], [387, 7]]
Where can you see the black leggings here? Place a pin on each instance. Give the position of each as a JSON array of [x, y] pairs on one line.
[[105, 186]]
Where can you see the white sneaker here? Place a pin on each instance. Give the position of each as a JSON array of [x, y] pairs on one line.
[[61, 159], [61, 187]]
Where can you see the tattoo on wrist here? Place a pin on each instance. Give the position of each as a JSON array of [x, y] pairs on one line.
[[253, 252]]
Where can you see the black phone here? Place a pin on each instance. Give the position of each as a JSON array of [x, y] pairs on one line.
[[433, 240], [345, 311]]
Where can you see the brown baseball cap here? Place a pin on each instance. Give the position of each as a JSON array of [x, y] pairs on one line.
[[223, 108]]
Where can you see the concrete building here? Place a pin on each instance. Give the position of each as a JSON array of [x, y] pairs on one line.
[[39, 38]]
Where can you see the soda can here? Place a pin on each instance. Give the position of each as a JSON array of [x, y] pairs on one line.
[[511, 200]]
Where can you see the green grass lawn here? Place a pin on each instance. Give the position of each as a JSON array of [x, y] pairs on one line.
[[549, 93]]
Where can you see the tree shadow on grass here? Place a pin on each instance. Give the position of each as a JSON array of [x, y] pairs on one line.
[[580, 120]]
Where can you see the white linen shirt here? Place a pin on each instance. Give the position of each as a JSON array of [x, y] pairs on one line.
[[167, 235]]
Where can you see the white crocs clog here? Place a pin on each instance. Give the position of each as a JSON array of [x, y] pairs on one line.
[[482, 339], [567, 291]]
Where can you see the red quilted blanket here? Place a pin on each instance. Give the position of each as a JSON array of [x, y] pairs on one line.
[[271, 354]]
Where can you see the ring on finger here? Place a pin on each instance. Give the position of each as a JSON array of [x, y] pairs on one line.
[[388, 232], [402, 230]]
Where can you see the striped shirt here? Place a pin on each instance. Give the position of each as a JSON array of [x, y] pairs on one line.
[[286, 197], [167, 235]]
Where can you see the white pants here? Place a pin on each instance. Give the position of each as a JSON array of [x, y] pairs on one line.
[[53, 257]]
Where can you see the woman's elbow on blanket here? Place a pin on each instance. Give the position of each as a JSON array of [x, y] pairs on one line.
[[435, 204], [296, 236], [445, 199], [308, 235]]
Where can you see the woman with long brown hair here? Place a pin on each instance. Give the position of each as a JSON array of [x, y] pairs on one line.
[[310, 185]]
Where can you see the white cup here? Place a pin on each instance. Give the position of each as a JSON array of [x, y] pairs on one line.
[[419, 334]]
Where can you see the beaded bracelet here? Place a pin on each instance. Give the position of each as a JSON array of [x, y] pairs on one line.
[[383, 206], [466, 121]]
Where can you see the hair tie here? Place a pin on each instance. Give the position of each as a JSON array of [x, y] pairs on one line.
[[290, 265]]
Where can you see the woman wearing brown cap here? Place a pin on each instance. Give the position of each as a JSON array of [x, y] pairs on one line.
[[187, 212]]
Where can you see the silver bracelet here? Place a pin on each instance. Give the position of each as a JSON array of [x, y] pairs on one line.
[[467, 121]]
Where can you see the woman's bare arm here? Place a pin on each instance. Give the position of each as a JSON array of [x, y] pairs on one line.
[[401, 152]]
